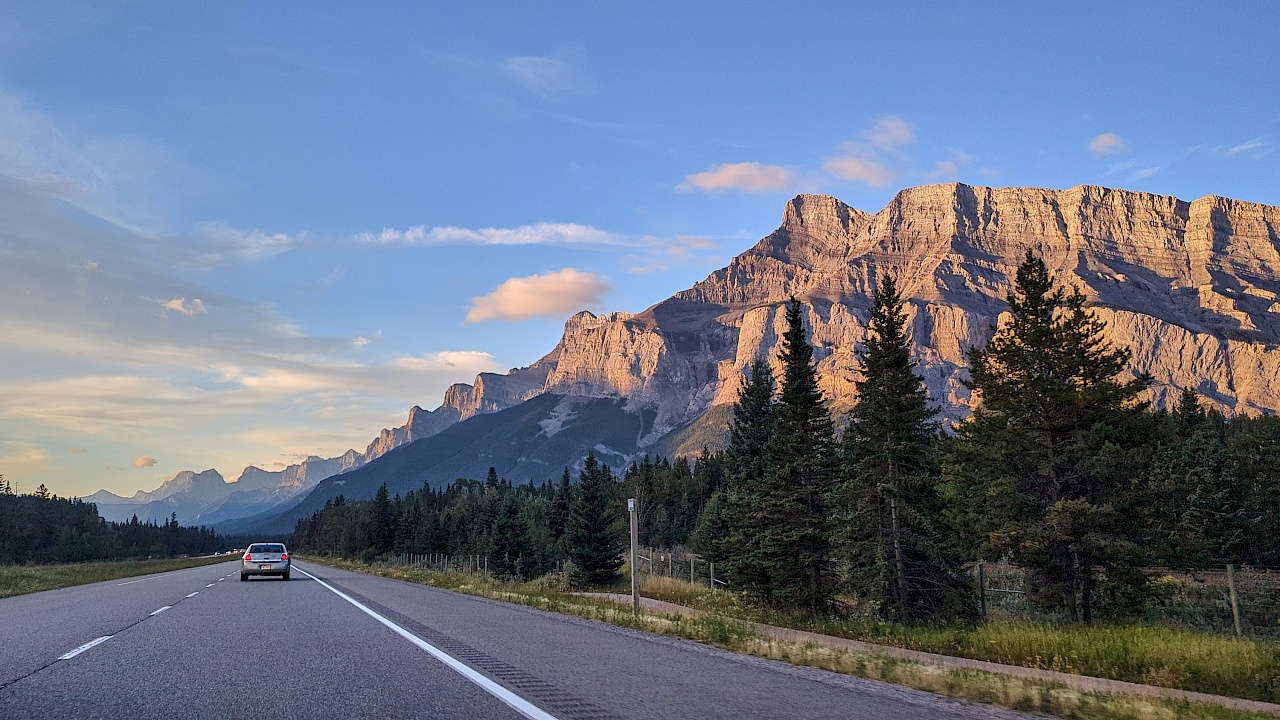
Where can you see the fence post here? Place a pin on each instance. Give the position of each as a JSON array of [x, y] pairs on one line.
[[982, 589], [713, 576], [1235, 599], [691, 570], [634, 514]]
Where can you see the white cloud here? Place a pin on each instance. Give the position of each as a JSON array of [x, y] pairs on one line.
[[1107, 144], [864, 161], [21, 455], [862, 169], [144, 461], [749, 177], [944, 170], [1144, 173], [471, 359], [548, 78], [536, 234], [889, 133], [1257, 148], [217, 243], [180, 305], [554, 293]]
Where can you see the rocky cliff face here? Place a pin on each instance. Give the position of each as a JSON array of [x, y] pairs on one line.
[[1193, 289]]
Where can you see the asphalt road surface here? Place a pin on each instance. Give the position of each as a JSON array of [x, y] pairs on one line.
[[199, 643]]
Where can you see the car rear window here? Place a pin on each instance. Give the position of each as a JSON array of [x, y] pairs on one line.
[[266, 548]]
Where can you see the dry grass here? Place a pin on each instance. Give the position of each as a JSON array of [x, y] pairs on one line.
[[23, 579], [737, 634]]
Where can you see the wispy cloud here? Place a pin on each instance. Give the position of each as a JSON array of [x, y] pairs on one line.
[[144, 461], [751, 177], [1256, 148], [1146, 172], [861, 169], [866, 160], [554, 293], [664, 253], [536, 234], [888, 133], [180, 305], [1107, 144], [548, 78]]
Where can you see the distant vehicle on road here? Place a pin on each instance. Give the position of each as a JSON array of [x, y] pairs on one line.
[[265, 559]]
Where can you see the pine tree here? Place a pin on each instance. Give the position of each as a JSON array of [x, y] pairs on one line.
[[722, 534], [594, 535], [787, 507], [382, 521], [558, 514], [509, 541], [893, 537], [1029, 464], [1195, 514]]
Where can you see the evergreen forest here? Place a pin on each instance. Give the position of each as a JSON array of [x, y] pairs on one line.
[[1064, 469], [44, 528]]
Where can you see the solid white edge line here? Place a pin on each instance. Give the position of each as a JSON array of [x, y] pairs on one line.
[[86, 646], [157, 612], [517, 703]]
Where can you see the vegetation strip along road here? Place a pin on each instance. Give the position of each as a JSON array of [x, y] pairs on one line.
[[23, 579], [737, 635]]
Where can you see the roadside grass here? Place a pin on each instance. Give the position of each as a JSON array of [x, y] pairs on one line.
[[731, 628], [23, 579], [1146, 654]]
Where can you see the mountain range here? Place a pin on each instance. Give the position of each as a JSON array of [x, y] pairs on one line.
[[1192, 288]]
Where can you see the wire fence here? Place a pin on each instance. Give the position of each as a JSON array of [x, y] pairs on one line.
[[1240, 601]]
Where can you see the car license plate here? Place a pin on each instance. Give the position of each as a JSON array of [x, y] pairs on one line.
[[264, 567]]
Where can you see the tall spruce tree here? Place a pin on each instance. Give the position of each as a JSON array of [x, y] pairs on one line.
[[893, 538], [509, 544], [723, 533], [594, 535], [787, 506], [558, 512], [1035, 466], [1196, 516]]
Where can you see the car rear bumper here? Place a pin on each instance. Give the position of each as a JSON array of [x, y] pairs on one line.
[[269, 568]]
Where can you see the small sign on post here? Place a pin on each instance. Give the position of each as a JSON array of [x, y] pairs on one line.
[[635, 560]]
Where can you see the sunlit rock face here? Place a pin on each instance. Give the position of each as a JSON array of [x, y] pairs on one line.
[[1192, 288]]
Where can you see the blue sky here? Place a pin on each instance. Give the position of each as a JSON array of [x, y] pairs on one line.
[[241, 233]]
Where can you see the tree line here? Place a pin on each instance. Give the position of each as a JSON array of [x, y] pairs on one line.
[[1062, 468], [43, 528]]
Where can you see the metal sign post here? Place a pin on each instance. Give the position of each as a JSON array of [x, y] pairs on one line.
[[635, 559]]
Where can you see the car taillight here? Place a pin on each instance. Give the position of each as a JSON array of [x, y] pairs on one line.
[[285, 556], [248, 557]]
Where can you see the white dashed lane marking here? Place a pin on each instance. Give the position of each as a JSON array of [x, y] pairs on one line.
[[194, 594], [209, 585], [86, 646], [157, 612]]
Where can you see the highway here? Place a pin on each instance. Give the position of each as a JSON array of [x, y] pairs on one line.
[[199, 643]]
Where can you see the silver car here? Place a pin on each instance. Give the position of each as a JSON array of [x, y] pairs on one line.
[[265, 559]]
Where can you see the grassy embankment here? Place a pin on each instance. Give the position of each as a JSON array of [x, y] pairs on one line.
[[23, 579], [1152, 655]]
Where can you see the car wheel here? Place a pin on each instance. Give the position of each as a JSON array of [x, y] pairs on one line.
[[243, 577], [285, 576]]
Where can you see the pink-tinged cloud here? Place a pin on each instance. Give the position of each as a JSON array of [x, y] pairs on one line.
[[889, 133], [555, 293], [744, 177], [1107, 144], [144, 461], [861, 169]]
